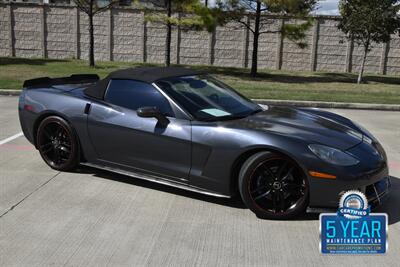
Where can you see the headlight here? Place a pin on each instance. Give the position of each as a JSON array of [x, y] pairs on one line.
[[333, 155]]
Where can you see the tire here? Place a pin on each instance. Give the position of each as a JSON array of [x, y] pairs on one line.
[[273, 186], [58, 144]]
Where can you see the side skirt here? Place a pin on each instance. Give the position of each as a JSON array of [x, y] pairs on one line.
[[155, 179]]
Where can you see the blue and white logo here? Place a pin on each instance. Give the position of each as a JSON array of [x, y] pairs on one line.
[[353, 205], [353, 229]]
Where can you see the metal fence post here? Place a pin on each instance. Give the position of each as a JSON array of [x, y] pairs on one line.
[[77, 34], [245, 48], [385, 51], [349, 56], [144, 40], [279, 47], [110, 34], [43, 31], [178, 44], [314, 53], [11, 37], [211, 47]]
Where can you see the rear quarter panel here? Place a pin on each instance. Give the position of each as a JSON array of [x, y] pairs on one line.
[[36, 104]]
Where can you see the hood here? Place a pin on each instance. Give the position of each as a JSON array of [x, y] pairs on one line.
[[300, 124]]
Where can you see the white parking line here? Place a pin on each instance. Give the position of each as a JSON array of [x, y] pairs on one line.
[[9, 139]]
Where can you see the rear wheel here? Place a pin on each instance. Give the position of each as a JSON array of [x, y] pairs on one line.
[[273, 186], [57, 144]]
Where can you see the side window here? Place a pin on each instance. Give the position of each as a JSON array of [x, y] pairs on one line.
[[133, 95]]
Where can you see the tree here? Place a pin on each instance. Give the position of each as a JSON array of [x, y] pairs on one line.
[[187, 14], [250, 13], [91, 8], [367, 22]]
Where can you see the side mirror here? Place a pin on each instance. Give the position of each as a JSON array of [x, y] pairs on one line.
[[152, 112]]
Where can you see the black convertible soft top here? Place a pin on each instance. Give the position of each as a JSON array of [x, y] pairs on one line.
[[144, 74]]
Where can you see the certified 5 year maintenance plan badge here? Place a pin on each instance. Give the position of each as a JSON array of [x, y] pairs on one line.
[[353, 229]]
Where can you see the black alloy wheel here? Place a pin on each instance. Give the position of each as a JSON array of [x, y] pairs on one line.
[[58, 144], [273, 186]]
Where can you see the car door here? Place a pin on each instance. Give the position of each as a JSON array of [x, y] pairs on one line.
[[122, 138]]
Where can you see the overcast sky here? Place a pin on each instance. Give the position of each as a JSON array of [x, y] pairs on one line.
[[328, 7]]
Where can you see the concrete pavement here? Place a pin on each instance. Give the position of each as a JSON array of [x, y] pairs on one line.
[[95, 218]]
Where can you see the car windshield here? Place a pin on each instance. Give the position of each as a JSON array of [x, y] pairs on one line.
[[207, 98]]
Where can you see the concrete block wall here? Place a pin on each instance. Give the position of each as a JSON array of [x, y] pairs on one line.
[[101, 30], [128, 34], [228, 45], [60, 32], [194, 47], [332, 47], [4, 31], [27, 31], [122, 34], [267, 50], [155, 44], [373, 60], [294, 57], [393, 56], [269, 47]]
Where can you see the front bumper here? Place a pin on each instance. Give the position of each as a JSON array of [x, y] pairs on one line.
[[376, 194], [374, 184], [370, 176]]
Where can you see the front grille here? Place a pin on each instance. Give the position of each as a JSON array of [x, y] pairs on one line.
[[377, 192]]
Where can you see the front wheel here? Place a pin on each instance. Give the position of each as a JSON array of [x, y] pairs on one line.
[[273, 186], [57, 144]]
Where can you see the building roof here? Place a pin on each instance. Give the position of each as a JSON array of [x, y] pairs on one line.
[[143, 74]]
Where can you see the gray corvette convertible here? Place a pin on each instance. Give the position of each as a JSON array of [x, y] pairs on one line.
[[183, 128]]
